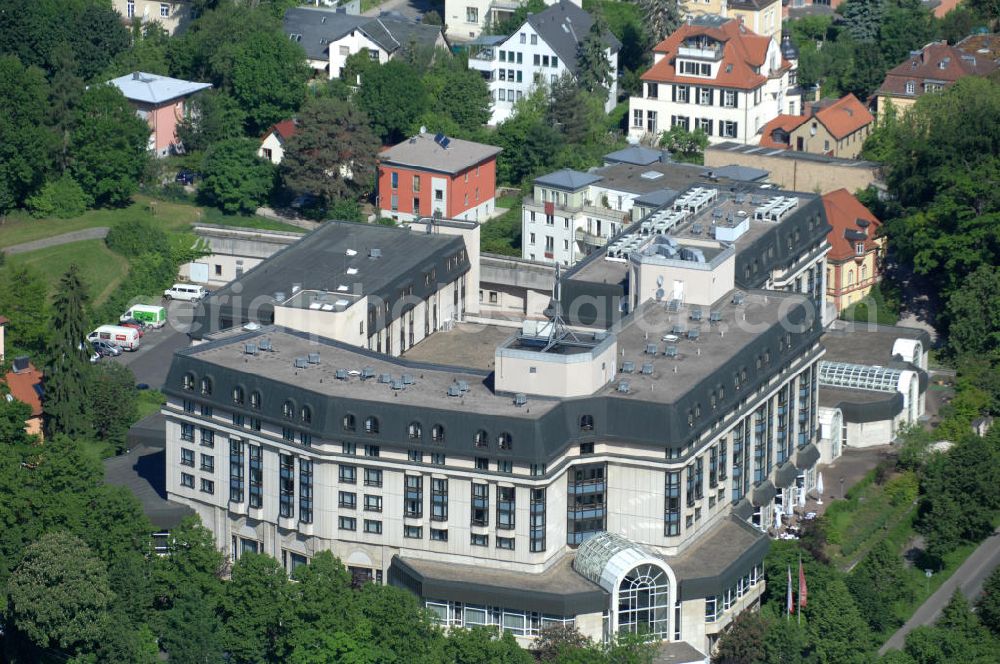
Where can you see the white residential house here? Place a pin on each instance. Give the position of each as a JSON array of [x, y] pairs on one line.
[[714, 74], [329, 37], [539, 52], [272, 147]]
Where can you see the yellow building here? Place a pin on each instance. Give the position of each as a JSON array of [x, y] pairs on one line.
[[760, 16], [173, 15], [832, 128], [932, 69], [854, 260]]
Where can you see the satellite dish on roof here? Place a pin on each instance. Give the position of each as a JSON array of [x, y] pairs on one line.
[[659, 294], [659, 280]]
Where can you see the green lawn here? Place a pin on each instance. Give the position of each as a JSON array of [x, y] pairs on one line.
[[21, 227], [870, 513], [102, 269], [149, 402]]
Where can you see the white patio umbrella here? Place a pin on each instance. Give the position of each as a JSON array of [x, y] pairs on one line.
[[819, 488], [802, 497], [777, 518]]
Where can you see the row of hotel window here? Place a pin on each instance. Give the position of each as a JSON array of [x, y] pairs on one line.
[[682, 94], [727, 128], [716, 605]]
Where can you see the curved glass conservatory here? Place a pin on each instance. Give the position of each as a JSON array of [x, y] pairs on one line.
[[642, 586]]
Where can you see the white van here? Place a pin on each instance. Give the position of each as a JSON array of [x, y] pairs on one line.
[[188, 292], [126, 338]]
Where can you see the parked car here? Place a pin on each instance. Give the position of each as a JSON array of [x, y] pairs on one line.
[[151, 315], [127, 338], [105, 349], [186, 176], [188, 292], [135, 325]]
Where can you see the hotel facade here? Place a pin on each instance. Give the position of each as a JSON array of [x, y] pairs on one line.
[[617, 467]]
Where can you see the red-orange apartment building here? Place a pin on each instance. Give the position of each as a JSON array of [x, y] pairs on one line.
[[428, 176]]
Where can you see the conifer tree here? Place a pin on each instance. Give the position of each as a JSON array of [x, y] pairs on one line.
[[66, 378]]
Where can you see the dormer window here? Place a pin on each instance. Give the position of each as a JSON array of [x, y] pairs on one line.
[[188, 382], [287, 409], [859, 248], [206, 387]]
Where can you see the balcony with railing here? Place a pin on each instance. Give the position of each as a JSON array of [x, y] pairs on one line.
[[700, 51], [590, 239], [588, 208]]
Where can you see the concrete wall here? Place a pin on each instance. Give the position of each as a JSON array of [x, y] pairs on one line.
[[794, 174], [555, 375], [699, 286]]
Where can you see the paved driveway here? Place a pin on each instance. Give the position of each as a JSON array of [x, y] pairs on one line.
[[152, 361], [968, 578], [98, 233]]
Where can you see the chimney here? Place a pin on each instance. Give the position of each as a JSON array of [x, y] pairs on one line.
[[136, 76]]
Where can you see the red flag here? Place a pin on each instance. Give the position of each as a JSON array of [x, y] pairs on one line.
[[789, 602], [803, 591]]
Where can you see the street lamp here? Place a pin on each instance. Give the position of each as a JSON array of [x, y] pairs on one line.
[[841, 488]]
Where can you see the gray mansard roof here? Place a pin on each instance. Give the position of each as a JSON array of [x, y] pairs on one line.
[[321, 260], [655, 412]]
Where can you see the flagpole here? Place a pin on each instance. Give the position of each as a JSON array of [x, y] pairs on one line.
[[798, 611]]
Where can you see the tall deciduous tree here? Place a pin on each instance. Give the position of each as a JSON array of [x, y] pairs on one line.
[[236, 180], [112, 402], [108, 146], [973, 314], [96, 37], [877, 582], [26, 146], [66, 377], [215, 116], [59, 594], [332, 154], [24, 299], [394, 97], [743, 643], [13, 415], [458, 94], [836, 630], [253, 608], [988, 605]]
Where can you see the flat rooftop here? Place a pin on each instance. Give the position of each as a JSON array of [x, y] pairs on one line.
[[464, 345], [645, 178], [430, 381], [717, 343], [337, 253], [860, 343], [730, 146]]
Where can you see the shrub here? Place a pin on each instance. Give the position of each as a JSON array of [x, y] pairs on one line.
[[63, 198], [902, 490], [136, 237]]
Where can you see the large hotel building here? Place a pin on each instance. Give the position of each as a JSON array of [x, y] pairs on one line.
[[615, 466]]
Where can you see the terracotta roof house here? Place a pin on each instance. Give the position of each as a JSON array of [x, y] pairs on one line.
[[836, 128], [718, 76], [437, 176], [853, 262], [24, 383], [931, 69], [162, 102], [982, 46], [272, 146]]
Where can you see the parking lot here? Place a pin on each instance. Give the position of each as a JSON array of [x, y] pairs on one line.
[[152, 361]]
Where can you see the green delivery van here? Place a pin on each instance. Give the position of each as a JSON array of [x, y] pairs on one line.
[[149, 314]]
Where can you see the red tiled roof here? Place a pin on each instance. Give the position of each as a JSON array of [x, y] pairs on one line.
[[843, 211], [742, 51], [284, 129], [25, 386], [937, 62], [3, 320], [845, 116], [786, 122]]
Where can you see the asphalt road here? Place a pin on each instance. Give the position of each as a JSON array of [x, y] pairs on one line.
[[98, 233], [152, 361], [414, 9], [969, 578]]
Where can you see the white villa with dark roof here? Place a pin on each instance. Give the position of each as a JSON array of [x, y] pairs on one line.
[[329, 37], [539, 52]]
